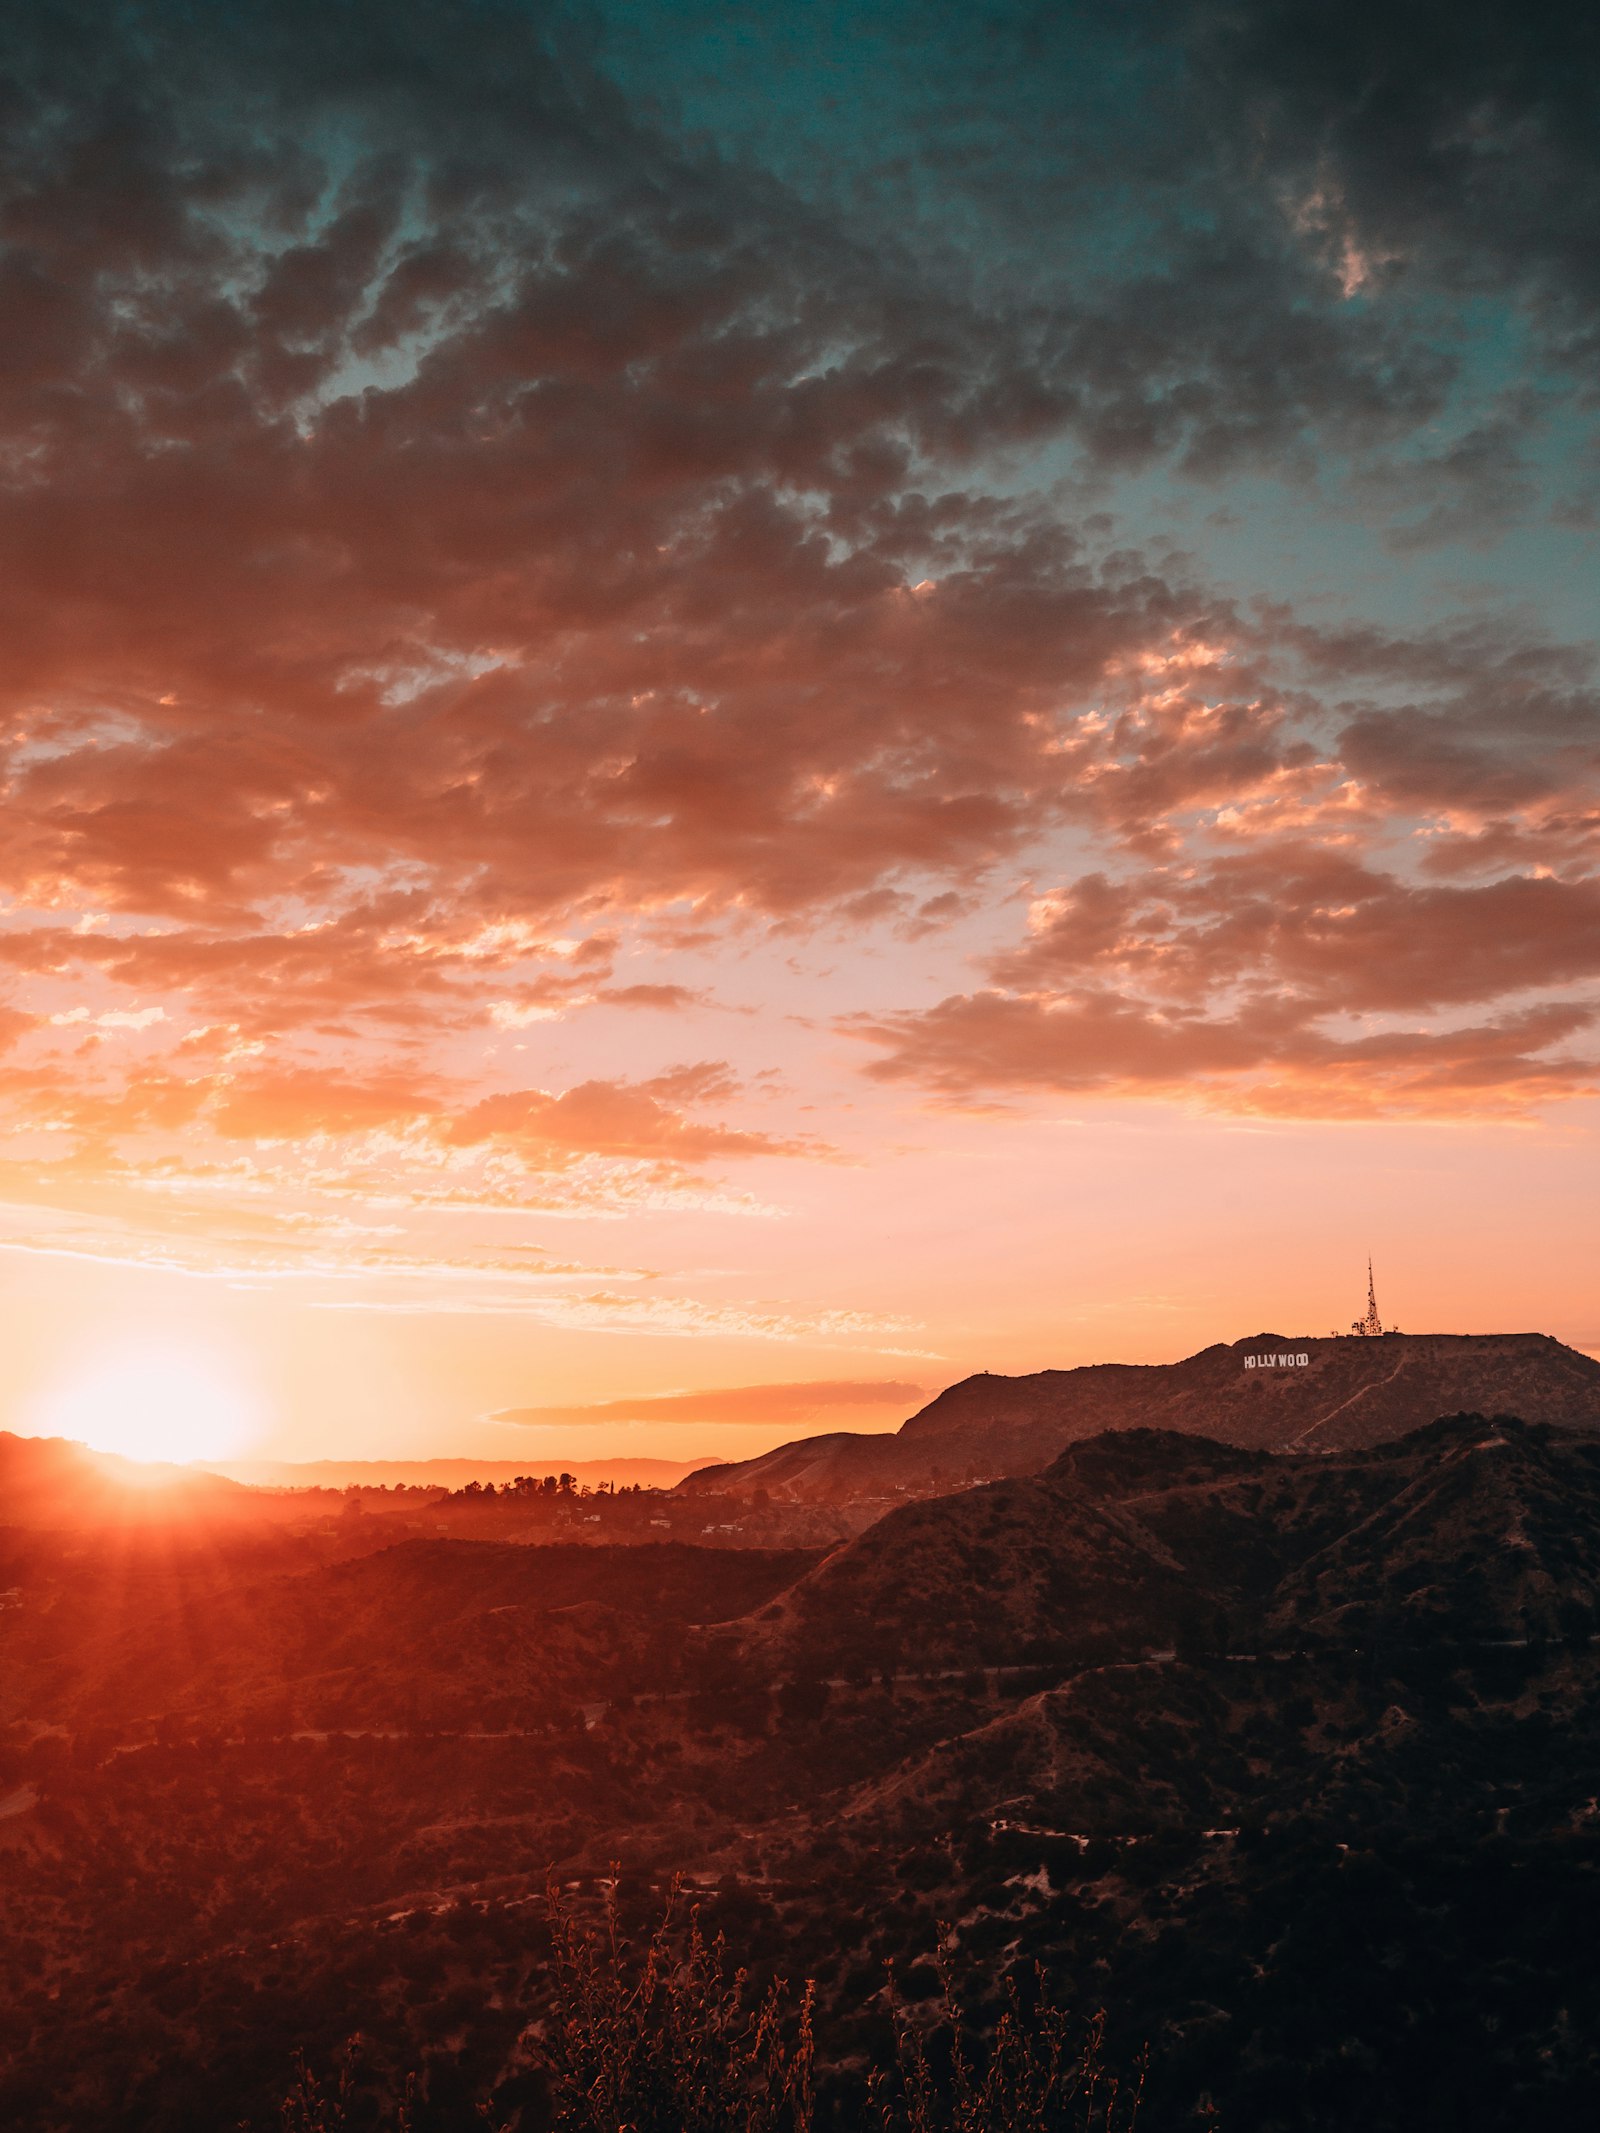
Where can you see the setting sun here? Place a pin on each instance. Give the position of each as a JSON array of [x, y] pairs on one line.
[[152, 1403]]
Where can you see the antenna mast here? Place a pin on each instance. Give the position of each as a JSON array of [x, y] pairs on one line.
[[1372, 1325]]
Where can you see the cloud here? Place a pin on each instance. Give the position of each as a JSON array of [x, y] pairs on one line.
[[1457, 147], [983, 1046], [633, 1122], [731, 1403], [219, 1147], [334, 1266], [664, 999], [1290, 977], [1318, 931], [463, 546]]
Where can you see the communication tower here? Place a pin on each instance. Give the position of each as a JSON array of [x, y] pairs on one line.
[[1372, 1324]]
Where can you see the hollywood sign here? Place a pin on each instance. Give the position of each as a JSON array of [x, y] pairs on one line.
[[1276, 1362]]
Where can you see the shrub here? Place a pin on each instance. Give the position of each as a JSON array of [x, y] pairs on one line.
[[1039, 2072], [672, 2044], [672, 2040]]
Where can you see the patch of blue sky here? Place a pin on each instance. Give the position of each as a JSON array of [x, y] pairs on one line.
[[1047, 157], [961, 126]]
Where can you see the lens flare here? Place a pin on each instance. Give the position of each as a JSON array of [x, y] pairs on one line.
[[151, 1402]]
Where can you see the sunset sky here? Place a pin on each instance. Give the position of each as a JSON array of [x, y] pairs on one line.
[[786, 700]]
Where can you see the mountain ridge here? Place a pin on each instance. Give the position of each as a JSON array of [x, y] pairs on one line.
[[1338, 1393]]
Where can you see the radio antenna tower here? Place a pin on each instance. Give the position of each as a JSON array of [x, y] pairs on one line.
[[1372, 1324]]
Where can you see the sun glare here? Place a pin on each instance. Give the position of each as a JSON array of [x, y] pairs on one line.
[[152, 1403]]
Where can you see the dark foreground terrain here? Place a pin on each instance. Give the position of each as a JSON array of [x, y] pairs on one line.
[[1289, 1762]]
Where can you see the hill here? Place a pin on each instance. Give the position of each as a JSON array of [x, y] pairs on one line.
[[52, 1481], [1329, 1395], [426, 1634], [1286, 1759], [1150, 1539]]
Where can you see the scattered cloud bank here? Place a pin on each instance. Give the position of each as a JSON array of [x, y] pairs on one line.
[[455, 534]]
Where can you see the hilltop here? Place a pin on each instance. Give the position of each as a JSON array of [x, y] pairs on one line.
[[1346, 1393]]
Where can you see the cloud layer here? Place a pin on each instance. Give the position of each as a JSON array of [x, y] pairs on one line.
[[474, 556]]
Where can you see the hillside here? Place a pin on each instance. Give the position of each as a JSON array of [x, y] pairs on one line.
[[1287, 1759], [422, 1634], [1142, 1539], [52, 1481], [1347, 1393]]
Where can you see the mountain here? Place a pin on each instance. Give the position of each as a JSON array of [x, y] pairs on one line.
[[1138, 1540], [1267, 1393]]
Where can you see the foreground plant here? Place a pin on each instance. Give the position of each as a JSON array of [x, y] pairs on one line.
[[1039, 2072], [674, 2040], [312, 2107], [674, 2043]]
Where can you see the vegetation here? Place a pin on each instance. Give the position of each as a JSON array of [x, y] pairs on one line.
[[1041, 2071], [673, 2041]]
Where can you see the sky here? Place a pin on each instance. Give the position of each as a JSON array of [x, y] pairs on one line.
[[711, 713]]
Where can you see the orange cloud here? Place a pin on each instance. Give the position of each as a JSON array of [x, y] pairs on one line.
[[732, 1403], [629, 1121]]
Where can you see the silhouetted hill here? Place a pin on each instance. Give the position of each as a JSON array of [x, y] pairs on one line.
[[52, 1481], [1347, 1393], [1463, 1529]]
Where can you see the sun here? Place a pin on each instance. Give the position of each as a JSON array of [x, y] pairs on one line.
[[152, 1402]]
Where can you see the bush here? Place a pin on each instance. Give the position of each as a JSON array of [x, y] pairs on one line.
[[672, 2040], [673, 2044], [1040, 2072]]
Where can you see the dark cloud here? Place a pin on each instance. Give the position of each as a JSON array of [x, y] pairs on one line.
[[540, 524], [1453, 144], [1320, 930], [984, 1046]]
